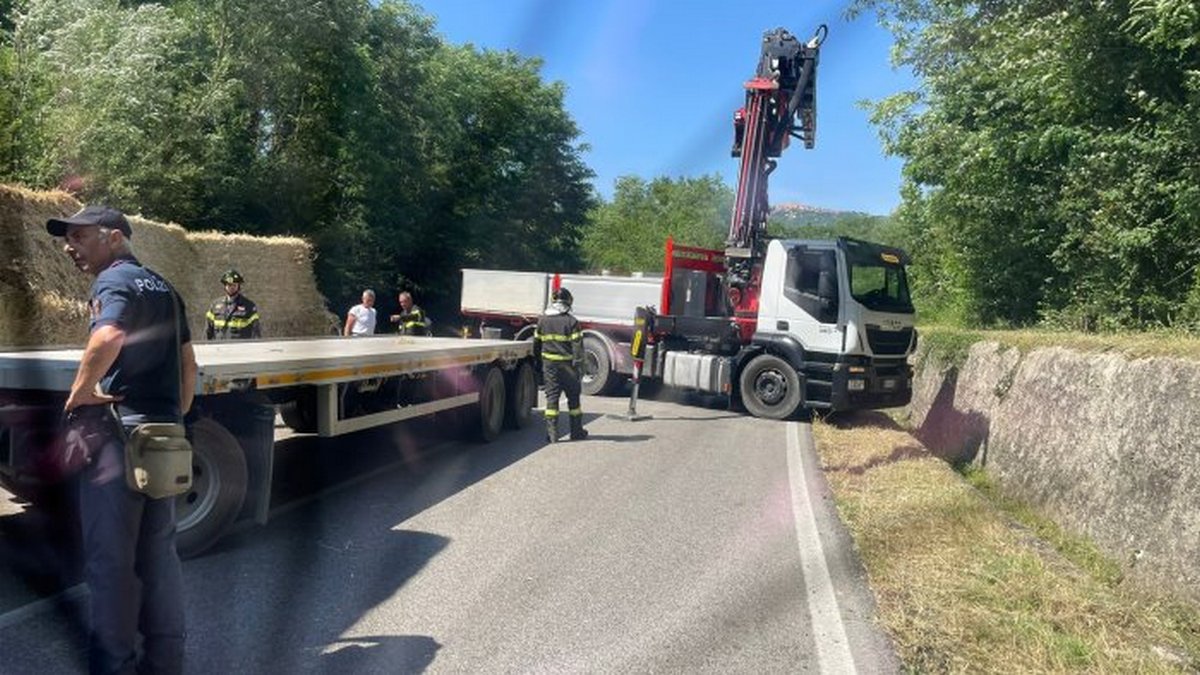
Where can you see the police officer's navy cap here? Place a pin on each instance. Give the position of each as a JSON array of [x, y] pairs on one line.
[[104, 216]]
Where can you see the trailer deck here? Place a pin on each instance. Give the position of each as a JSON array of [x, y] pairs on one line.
[[231, 366]]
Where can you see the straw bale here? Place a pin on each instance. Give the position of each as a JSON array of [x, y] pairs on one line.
[[42, 295]]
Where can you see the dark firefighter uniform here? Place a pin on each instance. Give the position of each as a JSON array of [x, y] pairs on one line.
[[232, 317], [558, 343], [412, 322]]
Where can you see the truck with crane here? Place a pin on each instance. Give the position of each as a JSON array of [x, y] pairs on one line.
[[777, 325]]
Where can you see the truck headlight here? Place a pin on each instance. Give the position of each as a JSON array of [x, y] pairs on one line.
[[857, 385]]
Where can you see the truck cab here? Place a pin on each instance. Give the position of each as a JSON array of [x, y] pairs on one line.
[[842, 309]]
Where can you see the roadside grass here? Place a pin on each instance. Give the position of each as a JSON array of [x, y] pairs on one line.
[[954, 342], [968, 581]]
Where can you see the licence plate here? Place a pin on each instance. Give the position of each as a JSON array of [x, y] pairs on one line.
[[888, 384]]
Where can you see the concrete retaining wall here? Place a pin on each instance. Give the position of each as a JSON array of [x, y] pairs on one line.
[[1103, 445]]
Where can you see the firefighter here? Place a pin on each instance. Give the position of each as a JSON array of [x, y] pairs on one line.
[[558, 343], [411, 320], [234, 316]]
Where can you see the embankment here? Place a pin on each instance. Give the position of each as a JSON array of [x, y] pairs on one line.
[[1104, 444]]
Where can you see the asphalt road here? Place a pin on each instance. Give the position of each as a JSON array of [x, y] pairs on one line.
[[696, 541]]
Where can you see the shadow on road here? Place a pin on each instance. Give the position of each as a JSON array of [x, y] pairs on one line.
[[288, 597], [860, 419], [40, 546], [619, 438]]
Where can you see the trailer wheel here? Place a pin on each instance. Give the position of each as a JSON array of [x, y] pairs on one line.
[[300, 413], [490, 409], [770, 387], [203, 513], [598, 376], [522, 397]]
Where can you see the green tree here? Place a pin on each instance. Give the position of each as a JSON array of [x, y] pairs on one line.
[[343, 121], [1046, 173], [513, 187], [628, 233], [827, 225]]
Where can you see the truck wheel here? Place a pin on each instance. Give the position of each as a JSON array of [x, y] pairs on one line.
[[490, 409], [300, 413], [598, 376], [522, 397], [770, 387], [203, 513]]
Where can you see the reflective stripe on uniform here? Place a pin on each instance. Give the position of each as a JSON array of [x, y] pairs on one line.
[[233, 323], [556, 357], [560, 338], [551, 412], [576, 412]]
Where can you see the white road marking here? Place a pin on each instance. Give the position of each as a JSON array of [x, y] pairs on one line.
[[829, 633]]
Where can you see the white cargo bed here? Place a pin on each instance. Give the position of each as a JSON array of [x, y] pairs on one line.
[[228, 366], [599, 299]]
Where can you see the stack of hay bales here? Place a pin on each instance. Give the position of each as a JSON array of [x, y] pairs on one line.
[[43, 297]]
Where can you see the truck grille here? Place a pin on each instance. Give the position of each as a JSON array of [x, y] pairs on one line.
[[889, 341]]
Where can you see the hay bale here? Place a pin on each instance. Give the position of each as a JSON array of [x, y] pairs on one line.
[[43, 297], [289, 305]]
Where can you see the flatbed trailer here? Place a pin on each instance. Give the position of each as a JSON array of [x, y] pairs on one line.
[[327, 386]]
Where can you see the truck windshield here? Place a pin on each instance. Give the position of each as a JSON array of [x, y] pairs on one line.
[[879, 285]]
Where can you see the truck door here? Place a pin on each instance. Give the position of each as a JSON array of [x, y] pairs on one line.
[[802, 283]]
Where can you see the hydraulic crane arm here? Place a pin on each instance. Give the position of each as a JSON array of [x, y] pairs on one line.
[[780, 105]]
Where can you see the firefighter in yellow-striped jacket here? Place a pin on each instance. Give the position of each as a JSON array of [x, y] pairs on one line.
[[234, 316], [558, 343]]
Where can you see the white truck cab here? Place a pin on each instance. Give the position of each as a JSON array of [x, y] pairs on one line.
[[845, 304]]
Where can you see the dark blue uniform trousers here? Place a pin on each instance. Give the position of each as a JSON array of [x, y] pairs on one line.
[[132, 572]]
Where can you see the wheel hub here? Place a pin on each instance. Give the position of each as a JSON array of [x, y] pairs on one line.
[[193, 506], [591, 366], [770, 387]]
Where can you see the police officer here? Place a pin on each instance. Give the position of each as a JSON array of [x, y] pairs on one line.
[[138, 335], [234, 316], [411, 320], [558, 341]]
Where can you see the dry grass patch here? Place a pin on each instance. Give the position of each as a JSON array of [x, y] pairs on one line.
[[955, 341], [962, 587]]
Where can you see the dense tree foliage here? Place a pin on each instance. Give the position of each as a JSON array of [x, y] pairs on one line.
[[347, 122], [813, 224], [628, 233], [1051, 170]]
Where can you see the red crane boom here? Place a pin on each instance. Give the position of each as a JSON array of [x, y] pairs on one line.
[[780, 105]]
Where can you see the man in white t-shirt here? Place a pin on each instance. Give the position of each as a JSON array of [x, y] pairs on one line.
[[360, 320]]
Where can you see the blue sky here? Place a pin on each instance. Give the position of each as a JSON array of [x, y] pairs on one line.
[[653, 85]]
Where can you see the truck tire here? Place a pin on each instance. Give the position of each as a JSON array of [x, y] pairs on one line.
[[489, 412], [522, 397], [205, 512], [300, 413], [770, 387], [597, 377]]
